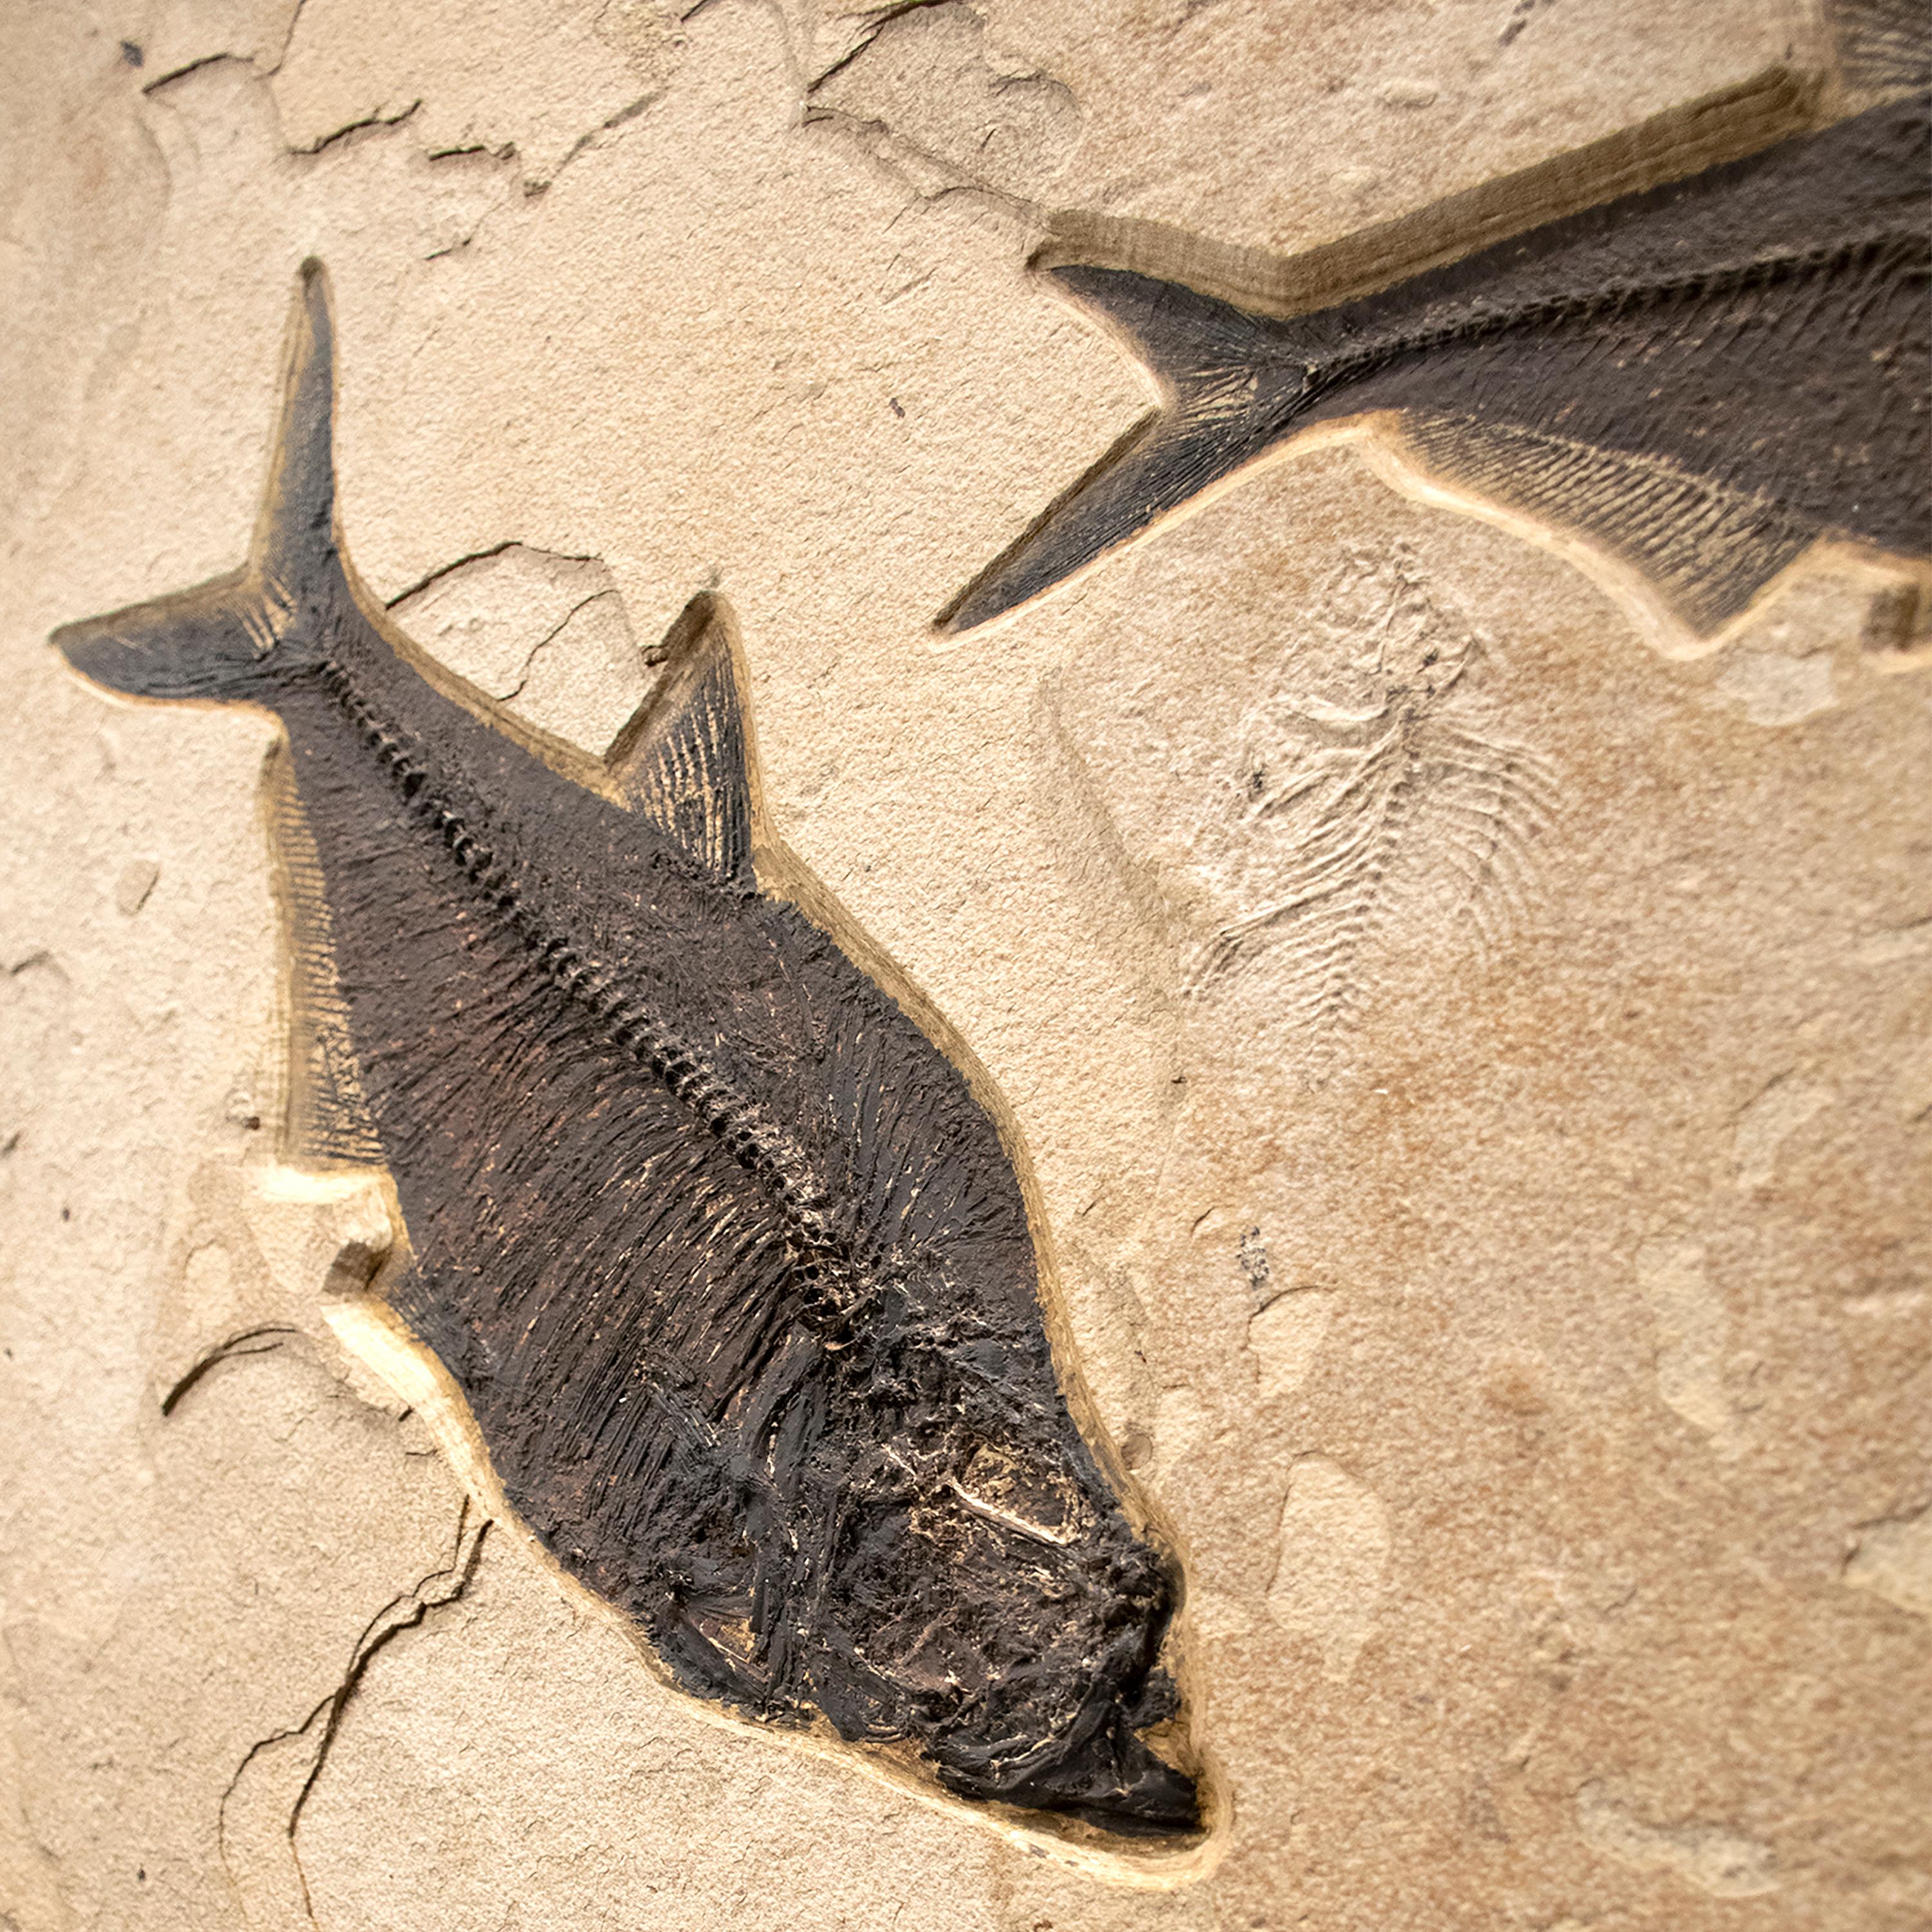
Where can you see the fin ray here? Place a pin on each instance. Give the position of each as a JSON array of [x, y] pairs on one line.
[[326, 1120], [185, 645], [1707, 546], [682, 762]]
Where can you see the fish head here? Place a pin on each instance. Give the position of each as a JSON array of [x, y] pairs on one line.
[[997, 1593]]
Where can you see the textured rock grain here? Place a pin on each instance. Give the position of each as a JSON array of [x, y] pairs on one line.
[[1511, 1283]]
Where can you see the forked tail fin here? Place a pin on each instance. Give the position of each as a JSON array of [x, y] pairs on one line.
[[1227, 378], [216, 640]]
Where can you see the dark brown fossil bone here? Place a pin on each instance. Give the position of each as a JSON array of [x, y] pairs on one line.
[[728, 1260], [1703, 377]]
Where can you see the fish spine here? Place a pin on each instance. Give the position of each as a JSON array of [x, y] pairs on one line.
[[824, 1264]]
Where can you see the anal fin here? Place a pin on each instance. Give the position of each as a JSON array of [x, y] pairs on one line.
[[1707, 546], [326, 1121]]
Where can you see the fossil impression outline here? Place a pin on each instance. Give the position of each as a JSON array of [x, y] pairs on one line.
[[703, 1215], [1404, 788]]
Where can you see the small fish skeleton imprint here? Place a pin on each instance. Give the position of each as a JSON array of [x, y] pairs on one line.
[[1702, 378], [726, 1259]]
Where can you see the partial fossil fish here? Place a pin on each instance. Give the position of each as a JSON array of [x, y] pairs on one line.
[[1703, 378], [727, 1261]]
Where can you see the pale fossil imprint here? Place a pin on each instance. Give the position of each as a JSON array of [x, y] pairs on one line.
[[1370, 796]]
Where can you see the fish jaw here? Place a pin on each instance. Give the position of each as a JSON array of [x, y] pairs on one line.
[[989, 1600], [1058, 1731], [1099, 1771], [1117, 1782]]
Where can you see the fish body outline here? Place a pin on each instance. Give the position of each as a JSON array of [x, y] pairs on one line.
[[728, 1260], [1702, 377]]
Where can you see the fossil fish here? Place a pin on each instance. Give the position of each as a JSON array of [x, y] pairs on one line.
[[1703, 377], [728, 1262]]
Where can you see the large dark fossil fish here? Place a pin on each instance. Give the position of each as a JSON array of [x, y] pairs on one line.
[[729, 1264], [1702, 378]]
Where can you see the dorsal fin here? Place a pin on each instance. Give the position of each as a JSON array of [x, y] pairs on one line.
[[682, 761]]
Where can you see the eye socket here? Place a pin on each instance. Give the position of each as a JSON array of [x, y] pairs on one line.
[[1020, 1495]]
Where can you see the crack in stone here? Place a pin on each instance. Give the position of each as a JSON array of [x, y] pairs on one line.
[[874, 25], [367, 120], [629, 112], [925, 97], [209, 60], [188, 68], [288, 38], [320, 1728], [443, 570], [269, 1339], [550, 637]]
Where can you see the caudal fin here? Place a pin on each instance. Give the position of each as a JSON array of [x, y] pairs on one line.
[[215, 641], [203, 643], [295, 540], [1226, 377]]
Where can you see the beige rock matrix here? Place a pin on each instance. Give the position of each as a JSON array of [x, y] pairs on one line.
[[1460, 1015]]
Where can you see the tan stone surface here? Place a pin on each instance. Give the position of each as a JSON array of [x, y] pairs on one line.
[[1508, 1274], [1281, 126]]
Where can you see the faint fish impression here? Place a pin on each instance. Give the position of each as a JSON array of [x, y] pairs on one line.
[[1702, 377], [727, 1260], [1383, 797]]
